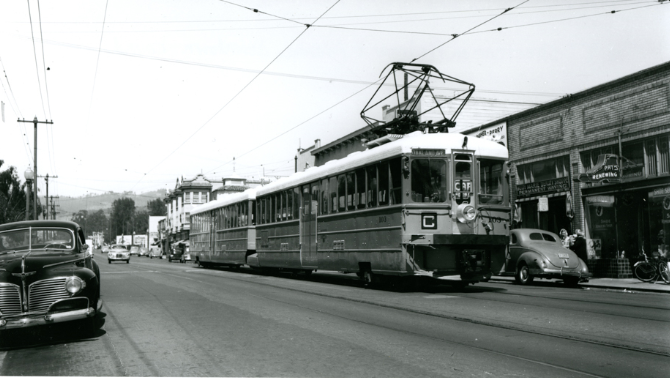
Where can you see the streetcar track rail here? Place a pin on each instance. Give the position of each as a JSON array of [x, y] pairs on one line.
[[231, 275]]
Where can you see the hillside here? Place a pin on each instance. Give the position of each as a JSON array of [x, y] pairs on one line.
[[95, 202]]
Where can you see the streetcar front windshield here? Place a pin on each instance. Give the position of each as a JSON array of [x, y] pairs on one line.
[[490, 181], [429, 180]]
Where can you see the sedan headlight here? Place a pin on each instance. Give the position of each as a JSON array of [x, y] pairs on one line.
[[74, 284]]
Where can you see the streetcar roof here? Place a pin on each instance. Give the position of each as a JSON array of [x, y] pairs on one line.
[[226, 200], [417, 139]]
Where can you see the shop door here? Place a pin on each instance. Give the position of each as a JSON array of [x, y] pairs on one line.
[[308, 225], [555, 219]]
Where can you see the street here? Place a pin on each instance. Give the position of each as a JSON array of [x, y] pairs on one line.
[[172, 319]]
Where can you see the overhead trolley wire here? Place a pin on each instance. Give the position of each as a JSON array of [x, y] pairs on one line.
[[241, 90], [467, 31], [97, 61], [37, 69]]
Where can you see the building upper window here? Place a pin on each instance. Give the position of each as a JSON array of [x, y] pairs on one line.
[[543, 170]]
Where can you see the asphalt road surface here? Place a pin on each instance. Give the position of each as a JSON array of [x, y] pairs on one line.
[[172, 319]]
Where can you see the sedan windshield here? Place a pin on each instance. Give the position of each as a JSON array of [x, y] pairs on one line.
[[36, 238]]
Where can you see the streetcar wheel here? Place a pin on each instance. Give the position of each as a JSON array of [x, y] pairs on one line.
[[645, 272], [523, 275]]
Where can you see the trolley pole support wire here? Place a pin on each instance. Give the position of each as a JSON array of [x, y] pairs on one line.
[[454, 36]]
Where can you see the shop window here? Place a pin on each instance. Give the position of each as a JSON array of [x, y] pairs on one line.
[[664, 155], [634, 152], [544, 170], [650, 157], [590, 158]]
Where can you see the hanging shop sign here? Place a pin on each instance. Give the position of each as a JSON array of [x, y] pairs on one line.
[[606, 170], [543, 187]]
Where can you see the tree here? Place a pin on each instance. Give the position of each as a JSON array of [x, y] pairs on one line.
[[141, 222], [123, 210], [91, 222], [12, 196], [156, 207], [80, 218]]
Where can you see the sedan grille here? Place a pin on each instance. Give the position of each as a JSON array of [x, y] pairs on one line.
[[44, 293], [10, 299]]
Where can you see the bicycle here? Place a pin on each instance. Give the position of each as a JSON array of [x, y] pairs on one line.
[[648, 271]]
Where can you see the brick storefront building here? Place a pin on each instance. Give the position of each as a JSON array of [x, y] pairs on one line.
[[566, 169]]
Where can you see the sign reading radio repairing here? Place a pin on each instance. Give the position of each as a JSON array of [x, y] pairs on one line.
[[543, 187]]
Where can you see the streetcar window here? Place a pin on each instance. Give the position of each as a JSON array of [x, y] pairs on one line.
[[253, 212], [273, 209], [289, 205], [429, 180], [372, 186], [314, 201], [296, 203], [323, 209], [351, 190], [359, 200], [341, 192], [282, 205], [332, 202], [383, 173], [490, 185], [396, 181]]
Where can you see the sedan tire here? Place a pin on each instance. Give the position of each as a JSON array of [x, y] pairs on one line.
[[109, 261], [523, 275]]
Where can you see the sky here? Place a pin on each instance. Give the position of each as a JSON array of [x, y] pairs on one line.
[[142, 93]]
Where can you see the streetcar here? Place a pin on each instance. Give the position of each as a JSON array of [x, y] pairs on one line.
[[223, 231], [421, 204]]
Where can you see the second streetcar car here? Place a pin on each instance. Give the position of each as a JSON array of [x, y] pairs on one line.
[[223, 231]]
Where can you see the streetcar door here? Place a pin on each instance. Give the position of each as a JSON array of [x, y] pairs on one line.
[[308, 225]]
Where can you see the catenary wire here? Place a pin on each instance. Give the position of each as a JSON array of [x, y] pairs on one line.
[[97, 61], [37, 69], [237, 94], [467, 31]]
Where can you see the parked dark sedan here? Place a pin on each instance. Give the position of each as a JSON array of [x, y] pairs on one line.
[[47, 275], [538, 253]]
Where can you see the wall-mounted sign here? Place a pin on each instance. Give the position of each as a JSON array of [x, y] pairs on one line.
[[496, 133], [543, 204], [543, 187]]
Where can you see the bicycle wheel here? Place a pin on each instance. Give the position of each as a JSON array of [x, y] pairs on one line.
[[664, 271], [645, 272]]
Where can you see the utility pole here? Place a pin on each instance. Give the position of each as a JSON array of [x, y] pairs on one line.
[[46, 180], [53, 208], [35, 122]]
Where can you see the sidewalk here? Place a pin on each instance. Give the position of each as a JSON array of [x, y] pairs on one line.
[[627, 284]]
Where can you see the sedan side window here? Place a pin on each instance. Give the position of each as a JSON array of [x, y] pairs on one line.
[[536, 236], [514, 241], [548, 237]]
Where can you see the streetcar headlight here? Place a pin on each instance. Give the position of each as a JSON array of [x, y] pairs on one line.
[[73, 285], [466, 213]]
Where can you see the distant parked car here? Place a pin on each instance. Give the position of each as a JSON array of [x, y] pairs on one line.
[[118, 252], [538, 253], [143, 251], [134, 250], [156, 252], [105, 248], [179, 249], [48, 275]]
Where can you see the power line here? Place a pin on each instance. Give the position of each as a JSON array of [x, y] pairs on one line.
[[97, 61], [238, 93], [467, 31], [37, 69]]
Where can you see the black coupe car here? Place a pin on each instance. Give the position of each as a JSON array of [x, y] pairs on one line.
[[47, 275]]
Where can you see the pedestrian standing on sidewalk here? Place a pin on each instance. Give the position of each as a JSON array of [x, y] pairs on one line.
[[565, 239], [579, 246]]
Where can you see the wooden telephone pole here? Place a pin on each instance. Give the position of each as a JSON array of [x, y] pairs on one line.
[[35, 122], [46, 180]]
